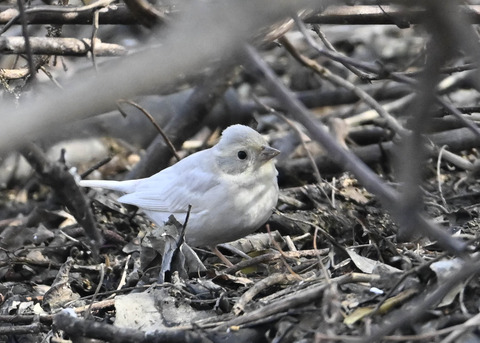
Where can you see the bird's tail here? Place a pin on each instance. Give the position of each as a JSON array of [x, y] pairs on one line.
[[121, 186]]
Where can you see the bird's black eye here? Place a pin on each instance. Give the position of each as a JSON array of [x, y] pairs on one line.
[[242, 155]]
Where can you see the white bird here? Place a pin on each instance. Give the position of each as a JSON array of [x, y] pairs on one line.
[[232, 189]]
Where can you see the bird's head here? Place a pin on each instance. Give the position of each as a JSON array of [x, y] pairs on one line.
[[242, 149]]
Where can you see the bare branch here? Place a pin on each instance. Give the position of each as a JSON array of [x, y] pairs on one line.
[[59, 46]]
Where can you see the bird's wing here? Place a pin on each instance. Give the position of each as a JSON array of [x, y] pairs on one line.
[[173, 189]]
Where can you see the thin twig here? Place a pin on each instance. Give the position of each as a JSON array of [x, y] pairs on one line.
[[439, 175], [97, 290], [95, 167], [181, 239], [94, 36], [320, 263], [282, 254], [26, 36], [159, 129], [329, 46]]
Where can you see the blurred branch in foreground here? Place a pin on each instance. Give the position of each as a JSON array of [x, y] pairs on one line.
[[346, 15]]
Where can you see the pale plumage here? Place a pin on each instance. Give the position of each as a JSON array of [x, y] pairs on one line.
[[232, 188]]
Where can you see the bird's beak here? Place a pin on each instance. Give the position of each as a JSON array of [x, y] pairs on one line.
[[268, 153]]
